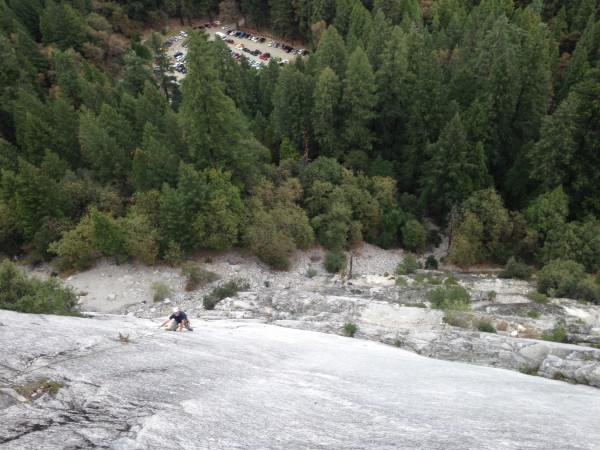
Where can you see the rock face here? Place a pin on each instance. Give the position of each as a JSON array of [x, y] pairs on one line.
[[383, 307], [228, 384]]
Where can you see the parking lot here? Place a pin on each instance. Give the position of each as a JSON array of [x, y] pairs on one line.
[[246, 45]]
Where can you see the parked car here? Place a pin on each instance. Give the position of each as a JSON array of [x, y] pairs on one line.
[[262, 40], [207, 25], [229, 41], [256, 52], [214, 24]]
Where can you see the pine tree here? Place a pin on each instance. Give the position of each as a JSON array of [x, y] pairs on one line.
[[454, 171], [155, 161], [326, 114], [359, 24], [358, 102], [291, 106], [332, 52], [216, 133]]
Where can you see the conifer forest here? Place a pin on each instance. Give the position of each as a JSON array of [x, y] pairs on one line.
[[406, 121]]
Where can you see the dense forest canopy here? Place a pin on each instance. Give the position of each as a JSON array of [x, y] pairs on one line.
[[480, 116]]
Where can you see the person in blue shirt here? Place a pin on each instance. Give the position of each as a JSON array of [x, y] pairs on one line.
[[177, 321]]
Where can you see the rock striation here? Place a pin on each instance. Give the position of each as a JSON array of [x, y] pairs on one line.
[[246, 384]]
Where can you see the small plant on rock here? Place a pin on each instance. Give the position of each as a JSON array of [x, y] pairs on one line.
[[486, 327], [349, 329], [538, 297], [312, 272], [527, 370], [408, 265], [228, 289], [557, 334], [39, 388], [124, 338], [197, 276], [450, 297], [533, 314], [161, 291], [458, 319]]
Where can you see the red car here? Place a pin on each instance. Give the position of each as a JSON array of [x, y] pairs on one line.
[[265, 56], [214, 25]]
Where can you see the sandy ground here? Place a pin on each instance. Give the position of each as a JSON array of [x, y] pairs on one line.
[[111, 288]]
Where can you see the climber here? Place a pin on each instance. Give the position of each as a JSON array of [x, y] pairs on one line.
[[177, 320]]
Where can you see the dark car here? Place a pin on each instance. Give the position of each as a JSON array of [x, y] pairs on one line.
[[256, 52], [207, 25], [247, 50], [261, 40]]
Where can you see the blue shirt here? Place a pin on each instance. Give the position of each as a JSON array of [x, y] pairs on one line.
[[178, 318]]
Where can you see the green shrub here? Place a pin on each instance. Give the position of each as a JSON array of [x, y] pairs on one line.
[[31, 295], [492, 295], [457, 319], [161, 291], [349, 329], [401, 281], [431, 263], [414, 236], [486, 327], [197, 276], [408, 265], [311, 272], [562, 276], [75, 250], [228, 289], [557, 334], [335, 262], [450, 281], [450, 297], [533, 314], [588, 290], [538, 297], [39, 388], [174, 255], [107, 236], [515, 269], [529, 370]]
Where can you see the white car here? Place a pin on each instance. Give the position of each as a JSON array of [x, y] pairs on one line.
[[270, 44], [217, 22], [224, 27]]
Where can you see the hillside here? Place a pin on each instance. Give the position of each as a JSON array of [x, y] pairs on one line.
[[247, 385]]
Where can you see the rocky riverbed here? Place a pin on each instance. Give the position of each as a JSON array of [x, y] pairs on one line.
[[371, 298]]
